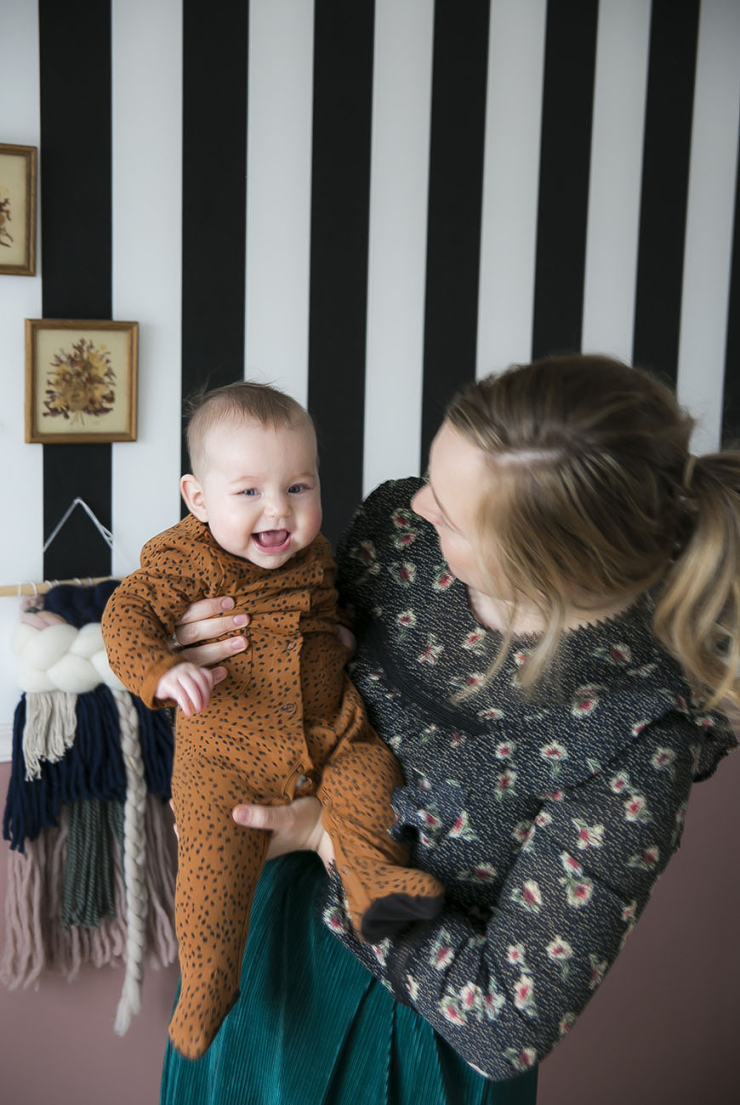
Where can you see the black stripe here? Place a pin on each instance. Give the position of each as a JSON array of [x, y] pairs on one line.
[[665, 185], [455, 198], [340, 199], [214, 192], [731, 419], [565, 156], [76, 232]]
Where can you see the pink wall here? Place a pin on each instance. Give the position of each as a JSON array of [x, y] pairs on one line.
[[662, 1030], [57, 1042]]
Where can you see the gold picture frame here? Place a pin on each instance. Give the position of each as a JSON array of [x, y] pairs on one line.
[[81, 380], [17, 210]]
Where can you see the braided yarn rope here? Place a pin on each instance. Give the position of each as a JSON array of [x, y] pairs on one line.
[[134, 861]]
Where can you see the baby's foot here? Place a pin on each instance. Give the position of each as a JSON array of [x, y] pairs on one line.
[[389, 916]]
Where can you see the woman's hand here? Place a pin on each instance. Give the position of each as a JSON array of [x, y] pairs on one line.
[[205, 619], [348, 639], [295, 828]]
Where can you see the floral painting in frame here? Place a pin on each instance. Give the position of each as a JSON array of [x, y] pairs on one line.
[[17, 210], [80, 381]]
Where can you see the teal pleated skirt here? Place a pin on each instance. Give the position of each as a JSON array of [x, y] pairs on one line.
[[312, 1026]]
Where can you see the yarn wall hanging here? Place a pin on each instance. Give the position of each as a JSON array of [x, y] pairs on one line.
[[91, 868]]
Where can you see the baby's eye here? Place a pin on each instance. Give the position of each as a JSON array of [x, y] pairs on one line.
[[249, 491], [296, 488]]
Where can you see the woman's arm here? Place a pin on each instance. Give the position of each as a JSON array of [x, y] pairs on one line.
[[502, 993]]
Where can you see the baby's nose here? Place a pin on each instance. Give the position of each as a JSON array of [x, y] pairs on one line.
[[278, 506]]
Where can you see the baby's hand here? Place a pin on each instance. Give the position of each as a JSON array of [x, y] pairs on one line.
[[348, 639], [189, 686]]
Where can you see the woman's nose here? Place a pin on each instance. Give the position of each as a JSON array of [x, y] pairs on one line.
[[420, 503]]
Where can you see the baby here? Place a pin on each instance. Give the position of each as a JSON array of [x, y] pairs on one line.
[[285, 722]]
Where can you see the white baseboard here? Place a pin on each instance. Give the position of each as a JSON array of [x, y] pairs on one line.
[[6, 743]]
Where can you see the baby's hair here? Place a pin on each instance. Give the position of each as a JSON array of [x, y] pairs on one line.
[[594, 495], [244, 399]]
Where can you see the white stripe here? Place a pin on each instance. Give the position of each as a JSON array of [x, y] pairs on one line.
[[620, 90], [279, 193], [20, 557], [510, 183], [399, 183], [147, 261], [706, 275]]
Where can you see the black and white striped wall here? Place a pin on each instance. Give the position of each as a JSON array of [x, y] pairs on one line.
[[368, 204]]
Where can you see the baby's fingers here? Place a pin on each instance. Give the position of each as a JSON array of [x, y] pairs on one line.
[[192, 694]]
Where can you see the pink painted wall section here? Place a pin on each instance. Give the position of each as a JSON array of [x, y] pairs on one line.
[[57, 1043], [663, 1030]]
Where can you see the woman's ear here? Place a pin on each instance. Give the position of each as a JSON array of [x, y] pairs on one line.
[[192, 493]]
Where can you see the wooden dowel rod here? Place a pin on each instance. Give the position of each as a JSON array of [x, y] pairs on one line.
[[41, 588]]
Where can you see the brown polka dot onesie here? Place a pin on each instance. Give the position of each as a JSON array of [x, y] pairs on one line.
[[285, 722]]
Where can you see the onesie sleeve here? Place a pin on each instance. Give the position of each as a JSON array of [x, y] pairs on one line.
[[142, 612], [324, 599], [503, 989]]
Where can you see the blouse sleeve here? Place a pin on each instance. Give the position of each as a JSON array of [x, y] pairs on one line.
[[504, 989]]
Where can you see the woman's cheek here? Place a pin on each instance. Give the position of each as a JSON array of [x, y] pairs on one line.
[[447, 547]]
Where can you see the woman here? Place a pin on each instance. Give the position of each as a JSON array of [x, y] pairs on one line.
[[533, 626]]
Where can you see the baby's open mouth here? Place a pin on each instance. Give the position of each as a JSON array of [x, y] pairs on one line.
[[272, 540]]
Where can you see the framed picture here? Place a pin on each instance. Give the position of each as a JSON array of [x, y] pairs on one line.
[[80, 381], [18, 210]]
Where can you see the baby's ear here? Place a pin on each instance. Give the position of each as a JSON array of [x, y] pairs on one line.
[[192, 493]]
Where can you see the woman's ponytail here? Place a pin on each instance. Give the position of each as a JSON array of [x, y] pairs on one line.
[[698, 612]]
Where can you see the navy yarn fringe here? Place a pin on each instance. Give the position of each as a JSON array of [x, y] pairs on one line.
[[157, 748], [92, 768]]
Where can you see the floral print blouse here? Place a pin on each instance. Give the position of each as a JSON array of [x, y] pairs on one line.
[[548, 818]]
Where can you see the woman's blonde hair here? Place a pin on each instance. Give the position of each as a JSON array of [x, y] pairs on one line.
[[594, 495]]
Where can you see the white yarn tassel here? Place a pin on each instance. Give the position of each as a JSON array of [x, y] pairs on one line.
[[49, 731], [134, 862]]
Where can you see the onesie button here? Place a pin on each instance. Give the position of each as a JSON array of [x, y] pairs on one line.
[[290, 646], [301, 781], [289, 707]]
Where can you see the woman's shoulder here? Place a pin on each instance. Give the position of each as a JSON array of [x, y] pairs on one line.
[[390, 503], [383, 525], [389, 553]]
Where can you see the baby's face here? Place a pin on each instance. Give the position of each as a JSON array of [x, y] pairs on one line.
[[260, 490]]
